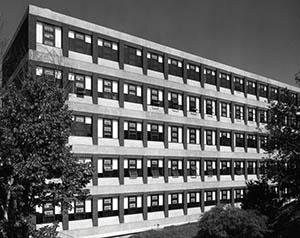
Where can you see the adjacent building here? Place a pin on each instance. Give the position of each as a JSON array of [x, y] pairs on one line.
[[170, 134]]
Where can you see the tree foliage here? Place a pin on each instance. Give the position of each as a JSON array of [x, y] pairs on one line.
[[34, 129], [231, 222]]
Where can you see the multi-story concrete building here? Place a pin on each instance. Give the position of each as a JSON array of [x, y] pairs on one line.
[[170, 134]]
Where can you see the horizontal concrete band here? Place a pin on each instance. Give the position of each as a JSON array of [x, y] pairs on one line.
[[54, 16]]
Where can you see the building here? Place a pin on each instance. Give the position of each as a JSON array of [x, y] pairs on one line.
[[170, 134]]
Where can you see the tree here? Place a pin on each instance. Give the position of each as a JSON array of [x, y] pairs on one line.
[[229, 222], [36, 164]]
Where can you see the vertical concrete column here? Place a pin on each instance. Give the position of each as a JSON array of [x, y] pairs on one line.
[[218, 79], [246, 169], [32, 69], [121, 93], [257, 143], [121, 169], [202, 79], [32, 32], [246, 142], [246, 114], [232, 83], [202, 169], [121, 208], [257, 89], [232, 112], [218, 109], [166, 169], [145, 171], [184, 202], [218, 139], [65, 217], [95, 129], [269, 92], [184, 166], [121, 131], [257, 168], [145, 136], [166, 101], [184, 71], [145, 208], [144, 61], [67, 85], [166, 134], [202, 200], [218, 196], [121, 54], [232, 196], [218, 168], [166, 204], [95, 88], [95, 167], [202, 106], [144, 97], [257, 116], [95, 210], [232, 169], [185, 136], [202, 138], [95, 48], [184, 104], [65, 40], [245, 86], [232, 140], [166, 66]]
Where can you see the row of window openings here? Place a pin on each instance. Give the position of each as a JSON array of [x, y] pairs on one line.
[[155, 168], [49, 35], [109, 206]]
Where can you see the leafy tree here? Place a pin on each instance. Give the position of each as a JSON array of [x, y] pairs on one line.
[[36, 164], [231, 222]]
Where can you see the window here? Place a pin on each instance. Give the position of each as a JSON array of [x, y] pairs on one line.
[[109, 207], [193, 136], [109, 168], [82, 126], [82, 85], [175, 101], [80, 210], [175, 137], [225, 197], [193, 72], [132, 168], [48, 214], [80, 42], [133, 130], [239, 140], [209, 137], [156, 97], [155, 62], [108, 89], [251, 114], [209, 107], [251, 167], [263, 90], [154, 170], [224, 109], [238, 84], [108, 49], [133, 205], [210, 168], [175, 168], [263, 116], [175, 67], [238, 195], [225, 139], [175, 201], [192, 171], [251, 87], [193, 104], [50, 74], [155, 203], [238, 168], [251, 141], [209, 198], [210, 76], [132, 56], [47, 34], [132, 93], [264, 142], [238, 112], [274, 93], [225, 80], [225, 168], [193, 199], [155, 132]]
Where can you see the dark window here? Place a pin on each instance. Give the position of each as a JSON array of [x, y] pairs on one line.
[[225, 139], [224, 109], [79, 211], [133, 94], [193, 136], [155, 62], [210, 76], [132, 206], [108, 50], [107, 208], [155, 101], [225, 168], [209, 137], [224, 196], [209, 198], [174, 134], [48, 35], [251, 141], [251, 87], [210, 170], [238, 169], [263, 116], [263, 90], [107, 128], [132, 171], [48, 214], [251, 114], [155, 171], [132, 56], [134, 131], [82, 126], [155, 132], [175, 171], [110, 89], [108, 170], [193, 104], [238, 84], [174, 102], [192, 171], [193, 200], [238, 195], [175, 67], [251, 167], [274, 93], [225, 80], [50, 74], [154, 204], [193, 72], [264, 142], [239, 140], [175, 204], [80, 43], [209, 106], [238, 112]]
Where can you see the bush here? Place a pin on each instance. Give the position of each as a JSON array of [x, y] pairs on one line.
[[231, 222]]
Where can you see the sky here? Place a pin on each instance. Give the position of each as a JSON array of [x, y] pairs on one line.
[[259, 36]]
